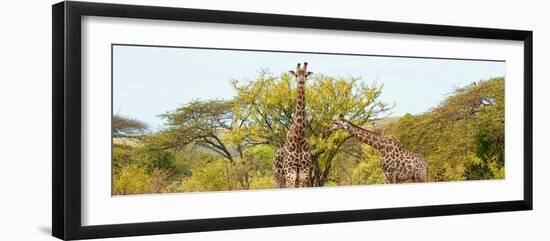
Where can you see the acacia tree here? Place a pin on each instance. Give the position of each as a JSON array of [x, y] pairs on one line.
[[261, 114], [268, 104], [200, 123], [212, 126], [127, 127], [463, 137]]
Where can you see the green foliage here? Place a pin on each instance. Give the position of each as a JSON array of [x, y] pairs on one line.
[[135, 179], [131, 179], [267, 111], [252, 172], [211, 177], [489, 143], [370, 169], [199, 123], [463, 137], [122, 156], [261, 157], [357, 166], [262, 182], [162, 160], [124, 126], [188, 159], [218, 145]]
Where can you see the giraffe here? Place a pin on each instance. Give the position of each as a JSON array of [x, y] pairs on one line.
[[398, 163], [292, 164]]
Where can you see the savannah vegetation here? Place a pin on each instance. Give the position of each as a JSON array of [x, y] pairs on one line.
[[218, 145]]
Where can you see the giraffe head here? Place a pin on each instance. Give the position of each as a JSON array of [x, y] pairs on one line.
[[337, 124], [301, 73]]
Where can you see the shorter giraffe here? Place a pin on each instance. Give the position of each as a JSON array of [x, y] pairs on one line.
[[398, 164]]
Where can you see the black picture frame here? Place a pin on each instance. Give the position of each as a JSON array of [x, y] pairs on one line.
[[66, 127]]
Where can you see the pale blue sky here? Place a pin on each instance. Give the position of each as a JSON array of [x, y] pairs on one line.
[[148, 81]]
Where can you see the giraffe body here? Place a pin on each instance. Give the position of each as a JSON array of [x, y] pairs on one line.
[[292, 164], [403, 165], [398, 163]]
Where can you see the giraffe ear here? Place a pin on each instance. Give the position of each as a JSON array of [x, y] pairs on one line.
[[309, 73], [292, 72]]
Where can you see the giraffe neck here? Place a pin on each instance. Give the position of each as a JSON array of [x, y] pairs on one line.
[[370, 138], [299, 121]]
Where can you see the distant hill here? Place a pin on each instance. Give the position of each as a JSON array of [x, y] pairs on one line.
[[126, 141], [387, 121]]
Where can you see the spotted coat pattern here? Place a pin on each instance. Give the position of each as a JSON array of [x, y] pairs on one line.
[[398, 163], [292, 165]]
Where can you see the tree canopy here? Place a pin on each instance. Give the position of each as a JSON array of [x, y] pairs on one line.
[[463, 137], [215, 145], [267, 106], [125, 127]]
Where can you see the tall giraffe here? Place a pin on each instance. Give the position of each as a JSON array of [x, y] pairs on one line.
[[292, 164], [398, 164]]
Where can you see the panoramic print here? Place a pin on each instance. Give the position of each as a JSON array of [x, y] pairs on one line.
[[204, 120]]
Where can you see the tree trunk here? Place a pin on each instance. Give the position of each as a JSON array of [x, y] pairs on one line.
[[316, 174]]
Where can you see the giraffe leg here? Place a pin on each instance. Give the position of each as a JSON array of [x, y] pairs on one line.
[[303, 177], [280, 181], [306, 179], [278, 170], [290, 179], [420, 176], [421, 172], [391, 178], [387, 176], [277, 176]]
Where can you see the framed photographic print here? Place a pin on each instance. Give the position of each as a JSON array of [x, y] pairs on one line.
[[170, 120]]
